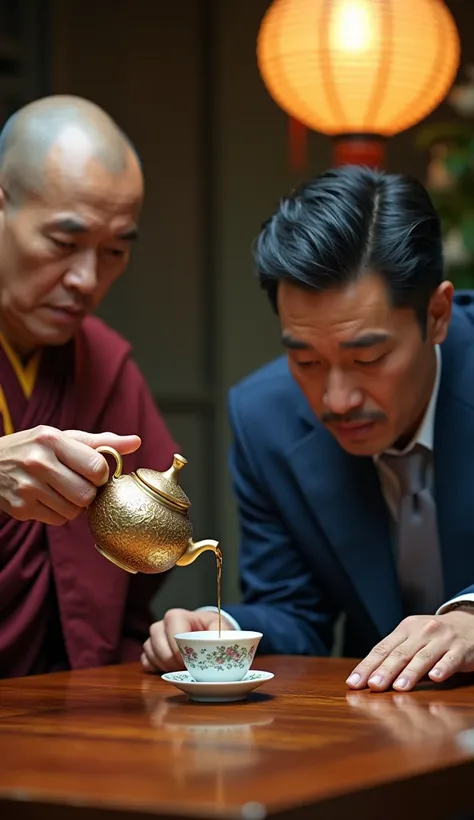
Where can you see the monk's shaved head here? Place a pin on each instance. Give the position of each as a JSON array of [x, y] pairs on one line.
[[63, 129], [71, 192]]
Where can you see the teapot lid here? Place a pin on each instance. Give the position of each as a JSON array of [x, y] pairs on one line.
[[166, 484]]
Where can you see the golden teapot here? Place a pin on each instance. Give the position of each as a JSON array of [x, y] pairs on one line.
[[140, 520]]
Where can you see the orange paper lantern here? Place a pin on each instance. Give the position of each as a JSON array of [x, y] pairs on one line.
[[360, 67]]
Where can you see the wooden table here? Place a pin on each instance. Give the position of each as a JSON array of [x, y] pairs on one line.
[[116, 743]]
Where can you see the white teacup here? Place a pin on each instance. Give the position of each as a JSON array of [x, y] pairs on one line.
[[211, 658]]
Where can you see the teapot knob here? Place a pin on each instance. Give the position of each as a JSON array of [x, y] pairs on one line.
[[172, 473], [118, 458], [179, 461]]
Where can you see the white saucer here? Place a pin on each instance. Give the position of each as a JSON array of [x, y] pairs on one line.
[[218, 691]]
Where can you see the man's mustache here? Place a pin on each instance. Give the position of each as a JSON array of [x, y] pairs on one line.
[[353, 415]]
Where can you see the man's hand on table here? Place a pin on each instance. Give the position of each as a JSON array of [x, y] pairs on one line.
[[433, 645], [51, 475], [160, 651]]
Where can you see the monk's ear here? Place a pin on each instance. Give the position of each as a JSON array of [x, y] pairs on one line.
[[3, 200], [3, 206]]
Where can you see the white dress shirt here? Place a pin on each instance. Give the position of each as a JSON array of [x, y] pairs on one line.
[[390, 485]]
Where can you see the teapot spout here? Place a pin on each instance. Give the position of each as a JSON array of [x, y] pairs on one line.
[[195, 550]]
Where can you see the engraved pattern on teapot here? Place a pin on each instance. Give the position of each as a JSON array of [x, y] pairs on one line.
[[140, 520]]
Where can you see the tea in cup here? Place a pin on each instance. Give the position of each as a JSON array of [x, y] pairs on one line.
[[215, 658]]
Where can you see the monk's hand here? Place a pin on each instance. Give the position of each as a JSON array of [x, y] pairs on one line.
[[49, 475], [433, 645], [160, 651], [123, 444]]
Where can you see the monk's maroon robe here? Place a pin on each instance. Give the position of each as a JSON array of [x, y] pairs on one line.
[[62, 604]]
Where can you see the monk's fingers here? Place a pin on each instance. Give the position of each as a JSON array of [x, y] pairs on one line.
[[68, 492], [46, 449], [77, 456], [67, 504], [27, 506], [34, 498], [42, 467], [73, 488], [48, 516], [123, 444]]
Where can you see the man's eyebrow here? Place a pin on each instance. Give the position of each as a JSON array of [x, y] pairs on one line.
[[367, 340], [130, 235], [291, 343]]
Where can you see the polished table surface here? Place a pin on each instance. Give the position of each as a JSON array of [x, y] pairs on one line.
[[117, 743]]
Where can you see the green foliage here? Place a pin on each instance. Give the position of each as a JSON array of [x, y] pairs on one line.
[[450, 148]]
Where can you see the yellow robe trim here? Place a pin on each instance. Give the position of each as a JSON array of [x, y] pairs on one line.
[[4, 411], [26, 375]]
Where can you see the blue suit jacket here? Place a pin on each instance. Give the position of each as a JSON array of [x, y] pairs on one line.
[[315, 530]]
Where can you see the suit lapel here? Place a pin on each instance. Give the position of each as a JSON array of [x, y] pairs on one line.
[[454, 460], [343, 493]]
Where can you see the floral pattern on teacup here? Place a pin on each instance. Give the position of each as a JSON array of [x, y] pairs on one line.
[[222, 657]]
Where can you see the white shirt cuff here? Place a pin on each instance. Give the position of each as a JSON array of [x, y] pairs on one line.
[[468, 598], [224, 613]]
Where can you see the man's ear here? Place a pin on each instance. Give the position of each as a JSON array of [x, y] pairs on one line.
[[439, 312]]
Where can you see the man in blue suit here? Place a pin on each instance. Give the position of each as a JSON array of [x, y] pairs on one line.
[[352, 455]]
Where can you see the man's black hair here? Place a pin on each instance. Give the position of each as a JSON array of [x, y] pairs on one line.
[[350, 220]]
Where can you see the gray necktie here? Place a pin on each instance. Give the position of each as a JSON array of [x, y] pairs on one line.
[[418, 557]]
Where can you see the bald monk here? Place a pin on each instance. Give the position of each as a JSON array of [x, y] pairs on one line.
[[71, 189]]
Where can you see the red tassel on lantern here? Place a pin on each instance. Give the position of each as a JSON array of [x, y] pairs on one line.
[[298, 139]]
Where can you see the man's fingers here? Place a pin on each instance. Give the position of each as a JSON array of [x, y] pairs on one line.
[[394, 664], [427, 660], [146, 665], [163, 655], [213, 625], [363, 671], [448, 663], [148, 658], [411, 659], [161, 650], [438, 646], [174, 622]]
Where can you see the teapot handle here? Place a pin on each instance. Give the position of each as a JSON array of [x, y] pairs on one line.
[[118, 458]]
